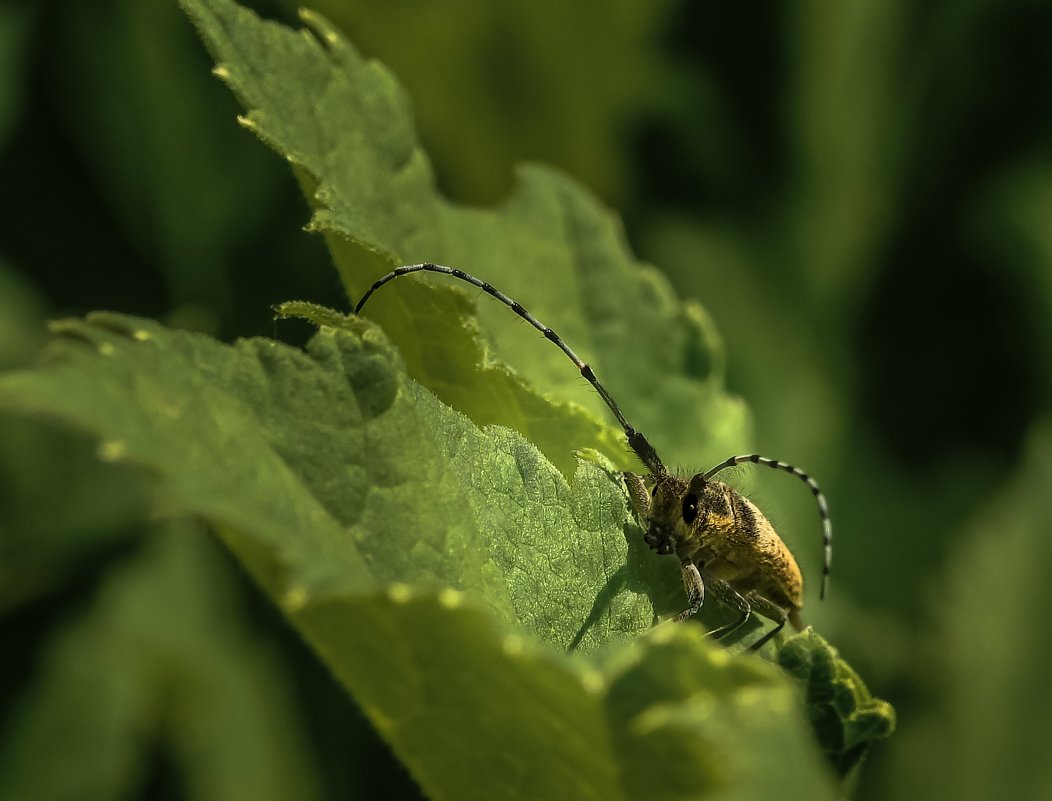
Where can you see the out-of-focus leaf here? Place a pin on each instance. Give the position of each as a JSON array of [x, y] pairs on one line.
[[185, 189], [1013, 219], [42, 538], [58, 506], [982, 729], [161, 663], [517, 80], [848, 144]]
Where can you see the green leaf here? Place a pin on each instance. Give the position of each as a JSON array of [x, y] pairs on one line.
[[345, 126], [846, 718], [299, 459], [670, 718], [266, 439]]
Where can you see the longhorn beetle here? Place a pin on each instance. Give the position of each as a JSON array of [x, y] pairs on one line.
[[724, 543]]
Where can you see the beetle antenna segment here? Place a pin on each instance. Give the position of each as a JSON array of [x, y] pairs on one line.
[[643, 449], [823, 507]]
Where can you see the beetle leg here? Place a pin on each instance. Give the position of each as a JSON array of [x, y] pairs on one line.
[[728, 596], [769, 610], [695, 589]]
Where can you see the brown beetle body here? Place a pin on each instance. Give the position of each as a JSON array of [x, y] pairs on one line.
[[725, 544]]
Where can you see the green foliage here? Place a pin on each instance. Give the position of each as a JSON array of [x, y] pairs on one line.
[[865, 219], [442, 563]]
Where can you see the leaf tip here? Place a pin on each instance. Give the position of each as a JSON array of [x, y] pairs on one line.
[[662, 634], [450, 598], [592, 682], [295, 598], [319, 25], [513, 645], [111, 450]]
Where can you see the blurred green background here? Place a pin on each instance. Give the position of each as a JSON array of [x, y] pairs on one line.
[[859, 193]]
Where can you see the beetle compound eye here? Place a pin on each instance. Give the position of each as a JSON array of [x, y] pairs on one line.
[[690, 509]]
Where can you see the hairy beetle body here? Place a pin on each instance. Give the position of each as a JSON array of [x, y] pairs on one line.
[[729, 539]]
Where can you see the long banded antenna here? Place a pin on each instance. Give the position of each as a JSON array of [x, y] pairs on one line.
[[823, 507], [643, 449]]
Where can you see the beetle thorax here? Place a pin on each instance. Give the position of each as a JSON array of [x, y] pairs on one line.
[[669, 530]]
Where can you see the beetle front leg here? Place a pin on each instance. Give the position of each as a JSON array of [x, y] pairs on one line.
[[695, 589]]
